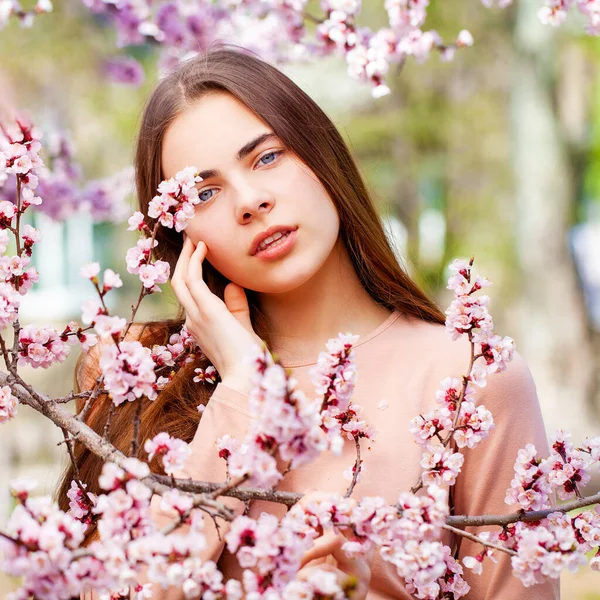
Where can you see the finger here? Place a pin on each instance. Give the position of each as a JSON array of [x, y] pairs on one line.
[[314, 495], [322, 546], [204, 299], [358, 564], [359, 592], [305, 573], [177, 280], [237, 304], [194, 272]]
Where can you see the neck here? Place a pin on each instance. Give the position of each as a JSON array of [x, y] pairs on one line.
[[332, 301]]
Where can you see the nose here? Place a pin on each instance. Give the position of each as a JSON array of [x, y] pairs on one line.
[[252, 201]]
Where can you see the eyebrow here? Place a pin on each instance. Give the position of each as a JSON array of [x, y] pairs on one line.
[[241, 153]]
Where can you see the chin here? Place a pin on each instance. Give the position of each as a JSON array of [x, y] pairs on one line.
[[283, 282]]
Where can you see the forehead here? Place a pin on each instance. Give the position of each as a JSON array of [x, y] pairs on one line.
[[208, 134]]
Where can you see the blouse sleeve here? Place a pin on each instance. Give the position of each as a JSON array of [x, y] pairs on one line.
[[488, 470]]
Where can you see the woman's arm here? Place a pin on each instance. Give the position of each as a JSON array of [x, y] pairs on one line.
[[488, 470]]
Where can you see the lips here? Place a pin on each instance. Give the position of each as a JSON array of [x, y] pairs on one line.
[[265, 234]]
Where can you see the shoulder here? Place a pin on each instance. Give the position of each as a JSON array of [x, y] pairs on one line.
[[442, 357]]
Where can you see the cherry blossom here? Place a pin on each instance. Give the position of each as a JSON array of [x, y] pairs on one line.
[[546, 549], [175, 451], [567, 466], [79, 505], [208, 375], [90, 271], [529, 488], [128, 371], [9, 304], [41, 346], [441, 466], [8, 404]]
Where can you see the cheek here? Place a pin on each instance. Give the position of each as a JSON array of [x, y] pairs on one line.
[[222, 250]]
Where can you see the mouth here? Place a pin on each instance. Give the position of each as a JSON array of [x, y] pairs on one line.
[[274, 248], [270, 238]]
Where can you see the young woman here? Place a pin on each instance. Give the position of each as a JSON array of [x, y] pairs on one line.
[[274, 166]]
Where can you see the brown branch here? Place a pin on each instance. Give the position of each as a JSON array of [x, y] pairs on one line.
[[96, 391], [474, 538], [356, 470], [111, 412], [532, 515], [5, 353], [161, 483]]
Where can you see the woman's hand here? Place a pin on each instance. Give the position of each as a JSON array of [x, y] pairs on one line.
[[222, 329], [346, 568]]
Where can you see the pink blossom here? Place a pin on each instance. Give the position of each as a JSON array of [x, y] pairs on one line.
[[78, 505], [153, 274], [177, 501], [529, 487], [91, 309], [136, 222], [107, 327], [128, 371], [587, 527], [227, 445], [567, 467], [41, 346], [8, 404], [4, 240], [111, 280], [30, 235], [9, 304], [464, 38], [441, 466], [497, 352], [546, 549], [139, 254], [175, 451], [173, 207], [208, 375], [90, 271], [431, 425], [7, 213], [473, 426]]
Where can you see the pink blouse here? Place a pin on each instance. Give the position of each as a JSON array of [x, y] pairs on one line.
[[403, 362]]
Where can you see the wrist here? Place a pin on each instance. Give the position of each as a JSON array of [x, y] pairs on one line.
[[240, 383]]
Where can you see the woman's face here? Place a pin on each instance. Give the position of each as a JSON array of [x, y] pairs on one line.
[[251, 187]]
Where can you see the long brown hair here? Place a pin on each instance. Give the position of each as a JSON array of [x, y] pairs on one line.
[[306, 131]]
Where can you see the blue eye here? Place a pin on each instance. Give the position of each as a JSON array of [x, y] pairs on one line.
[[271, 156], [204, 198]]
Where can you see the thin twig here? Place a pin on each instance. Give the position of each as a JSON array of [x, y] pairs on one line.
[[356, 470], [96, 391], [474, 538], [77, 478], [466, 378], [111, 412], [143, 292], [5, 353]]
